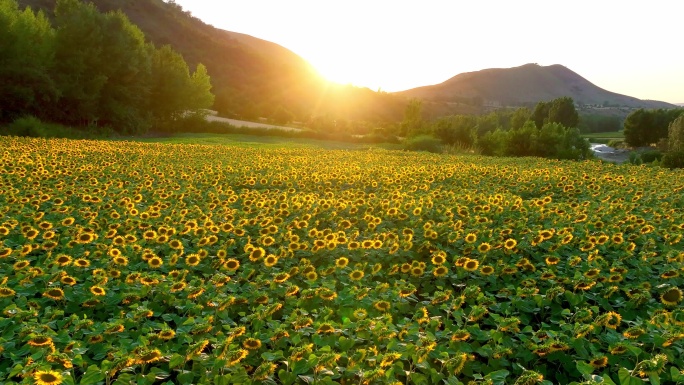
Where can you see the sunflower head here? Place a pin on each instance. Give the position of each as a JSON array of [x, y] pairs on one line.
[[47, 377], [671, 296]]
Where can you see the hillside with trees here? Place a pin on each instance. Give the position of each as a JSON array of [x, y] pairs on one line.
[[251, 77], [92, 69]]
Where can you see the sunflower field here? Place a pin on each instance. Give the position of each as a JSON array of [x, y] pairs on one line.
[[143, 263]]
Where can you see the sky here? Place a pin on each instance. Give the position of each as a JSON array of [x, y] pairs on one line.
[[629, 47]]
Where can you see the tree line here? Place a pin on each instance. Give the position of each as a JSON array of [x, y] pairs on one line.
[[91, 69], [550, 130]]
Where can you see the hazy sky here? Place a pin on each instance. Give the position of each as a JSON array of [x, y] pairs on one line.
[[629, 47]]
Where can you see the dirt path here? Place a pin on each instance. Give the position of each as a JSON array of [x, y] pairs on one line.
[[244, 123]]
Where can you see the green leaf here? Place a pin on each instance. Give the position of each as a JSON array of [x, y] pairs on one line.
[[626, 378], [286, 378], [654, 379], [676, 374], [124, 379], [176, 361], [186, 377], [222, 380], [584, 368], [159, 374], [498, 377], [93, 375], [419, 379]]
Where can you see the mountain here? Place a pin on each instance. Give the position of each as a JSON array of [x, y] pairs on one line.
[[250, 77], [679, 104], [526, 85]]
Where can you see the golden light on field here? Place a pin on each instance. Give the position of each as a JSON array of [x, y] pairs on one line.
[[397, 45]]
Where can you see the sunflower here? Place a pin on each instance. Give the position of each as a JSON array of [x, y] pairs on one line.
[[68, 280], [54, 293], [360, 313], [439, 258], [585, 285], [440, 271], [325, 328], [150, 356], [292, 291], [82, 262], [256, 254], [6, 292], [471, 238], [31, 234], [232, 264], [633, 333], [196, 293], [341, 262], [471, 265], [4, 253], [47, 377], [613, 321], [84, 238], [599, 362], [356, 275], [251, 344], [551, 260], [486, 270], [270, 260], [120, 260], [510, 244], [281, 277], [670, 274], [671, 296], [460, 335], [21, 265], [192, 260], [155, 262], [382, 305], [406, 291], [618, 349], [417, 271], [98, 290], [484, 247], [547, 275], [40, 340], [592, 273]]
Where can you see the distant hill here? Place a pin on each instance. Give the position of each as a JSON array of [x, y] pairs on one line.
[[679, 104], [250, 77], [526, 85]]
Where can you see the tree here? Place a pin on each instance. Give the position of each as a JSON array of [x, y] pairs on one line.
[[456, 129], [563, 111], [560, 110], [522, 142], [413, 118], [644, 127], [675, 137], [519, 117], [174, 92], [201, 97], [126, 63], [26, 58], [541, 114], [78, 61]]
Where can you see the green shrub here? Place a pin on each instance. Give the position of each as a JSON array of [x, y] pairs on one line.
[[673, 159], [423, 143], [615, 143], [33, 127], [651, 155]]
